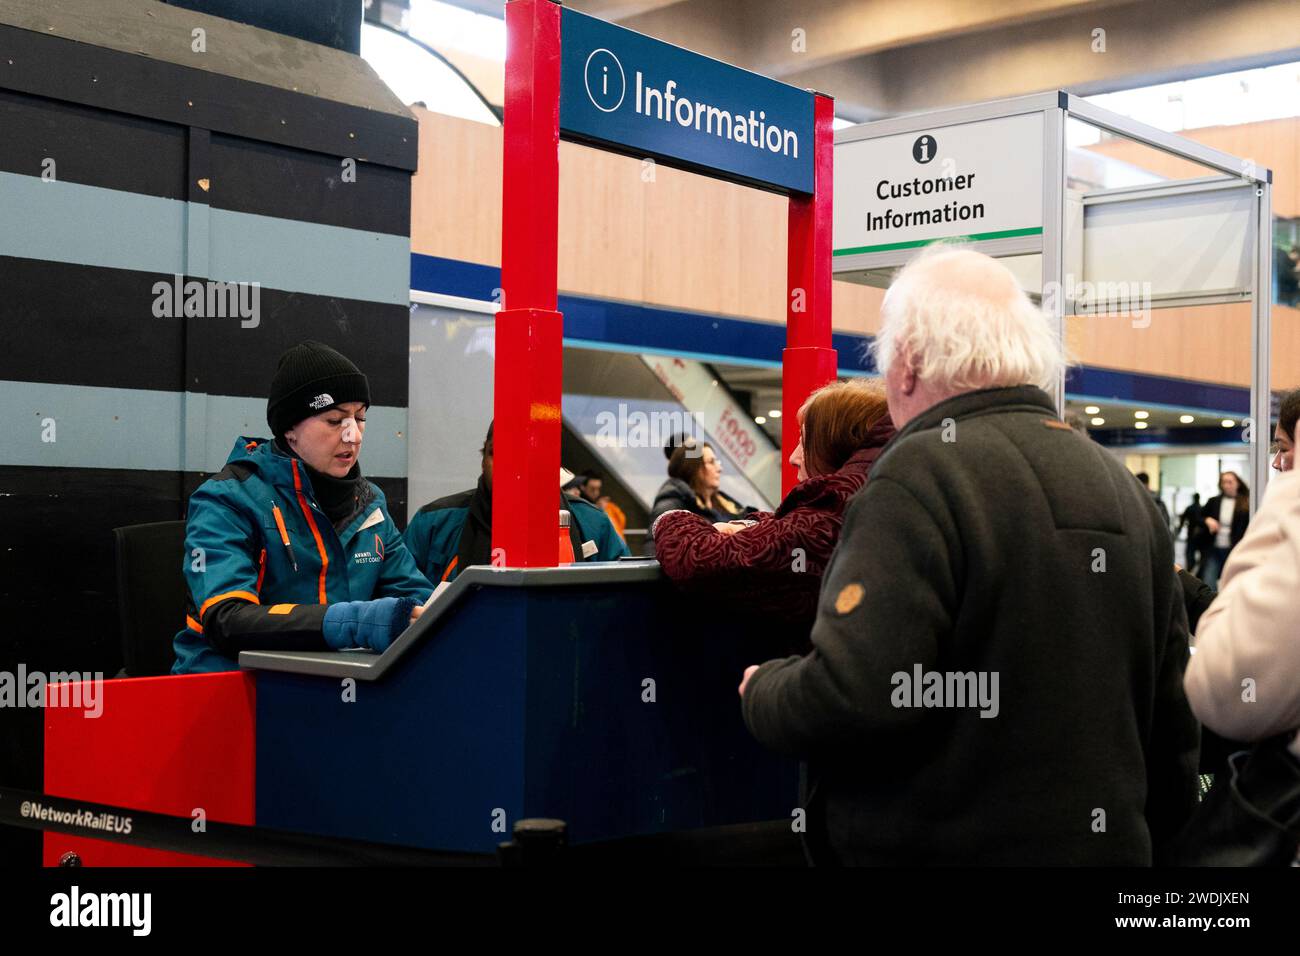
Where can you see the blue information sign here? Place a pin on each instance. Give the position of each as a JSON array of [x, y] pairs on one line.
[[637, 93]]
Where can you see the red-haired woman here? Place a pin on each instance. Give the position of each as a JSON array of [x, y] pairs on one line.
[[775, 565]]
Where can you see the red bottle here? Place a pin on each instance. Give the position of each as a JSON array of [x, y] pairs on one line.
[[566, 544]]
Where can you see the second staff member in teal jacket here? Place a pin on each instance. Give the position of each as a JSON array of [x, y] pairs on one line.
[[448, 535]]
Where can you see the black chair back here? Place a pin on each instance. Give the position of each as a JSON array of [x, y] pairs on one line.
[[151, 594]]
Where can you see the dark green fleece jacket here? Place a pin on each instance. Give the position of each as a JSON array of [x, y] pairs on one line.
[[1019, 562]]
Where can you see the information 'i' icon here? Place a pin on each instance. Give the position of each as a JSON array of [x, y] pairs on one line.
[[610, 82], [924, 148]]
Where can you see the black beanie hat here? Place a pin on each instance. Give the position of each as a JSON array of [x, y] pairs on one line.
[[310, 378]]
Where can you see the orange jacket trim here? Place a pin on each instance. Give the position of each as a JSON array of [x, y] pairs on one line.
[[237, 595], [315, 532]]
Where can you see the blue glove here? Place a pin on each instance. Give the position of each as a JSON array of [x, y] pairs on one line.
[[373, 624]]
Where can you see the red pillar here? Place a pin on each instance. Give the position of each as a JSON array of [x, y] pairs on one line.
[[529, 330], [808, 361]]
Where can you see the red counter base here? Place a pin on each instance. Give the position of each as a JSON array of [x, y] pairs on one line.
[[166, 744]]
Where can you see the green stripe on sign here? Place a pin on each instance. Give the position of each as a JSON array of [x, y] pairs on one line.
[[973, 237]]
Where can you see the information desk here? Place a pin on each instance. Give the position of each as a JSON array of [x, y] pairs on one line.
[[595, 694]]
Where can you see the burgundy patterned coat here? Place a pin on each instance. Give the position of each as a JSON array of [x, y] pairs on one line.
[[761, 568]]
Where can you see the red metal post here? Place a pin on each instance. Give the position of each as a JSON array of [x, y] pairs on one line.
[[808, 361], [529, 330]]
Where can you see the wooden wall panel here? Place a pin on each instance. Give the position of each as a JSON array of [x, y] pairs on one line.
[[602, 222], [856, 308], [456, 192], [688, 242], [1274, 144], [1208, 343]]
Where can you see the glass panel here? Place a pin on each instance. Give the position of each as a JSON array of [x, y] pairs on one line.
[[1097, 160]]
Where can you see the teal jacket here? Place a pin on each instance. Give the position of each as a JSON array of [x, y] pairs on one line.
[[244, 591], [435, 533]]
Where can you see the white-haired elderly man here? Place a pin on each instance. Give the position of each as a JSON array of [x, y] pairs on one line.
[[1000, 641]]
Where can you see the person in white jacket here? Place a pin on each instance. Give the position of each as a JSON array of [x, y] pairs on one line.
[[1243, 681]]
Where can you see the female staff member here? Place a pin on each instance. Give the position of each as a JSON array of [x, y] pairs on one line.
[[775, 566], [289, 547]]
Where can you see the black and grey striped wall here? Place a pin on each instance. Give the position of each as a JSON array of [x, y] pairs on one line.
[[129, 157]]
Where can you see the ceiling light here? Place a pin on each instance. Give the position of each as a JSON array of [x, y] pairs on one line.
[[1139, 424], [1228, 423], [1091, 410], [760, 420], [1141, 415], [1099, 421], [774, 413], [1187, 419]]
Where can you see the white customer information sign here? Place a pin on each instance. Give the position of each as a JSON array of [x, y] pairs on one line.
[[977, 181]]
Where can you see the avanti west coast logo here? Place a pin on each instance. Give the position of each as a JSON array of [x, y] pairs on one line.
[[373, 556], [607, 87]]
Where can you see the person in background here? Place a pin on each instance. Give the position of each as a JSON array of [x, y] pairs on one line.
[[616, 515], [1145, 481], [589, 485], [694, 479], [1249, 631], [1283, 448], [450, 534], [773, 563], [1199, 594], [1286, 272], [1002, 559], [279, 542], [1191, 520], [1225, 518], [572, 488]]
